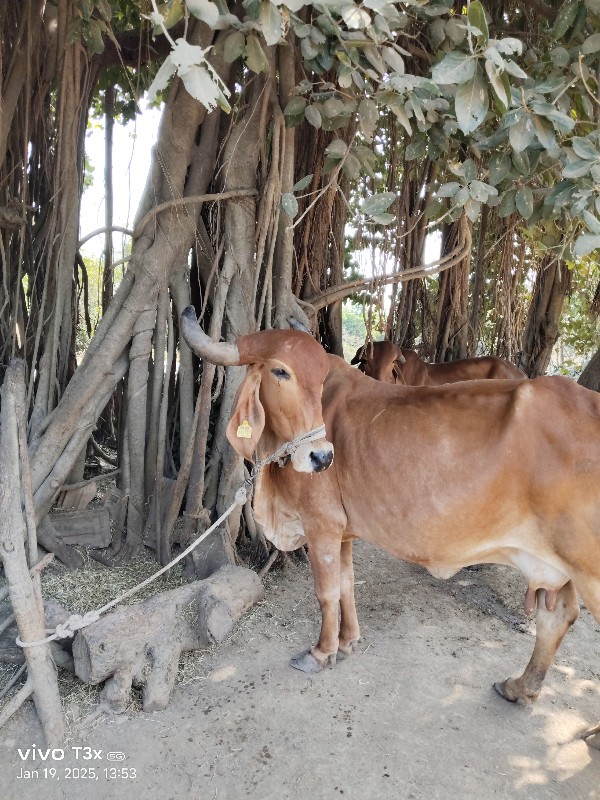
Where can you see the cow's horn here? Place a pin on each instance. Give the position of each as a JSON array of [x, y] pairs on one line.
[[222, 353], [297, 325]]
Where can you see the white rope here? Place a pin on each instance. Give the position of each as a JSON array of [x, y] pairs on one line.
[[75, 622]]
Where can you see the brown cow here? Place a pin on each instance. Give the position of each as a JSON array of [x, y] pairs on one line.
[[504, 472], [387, 362]]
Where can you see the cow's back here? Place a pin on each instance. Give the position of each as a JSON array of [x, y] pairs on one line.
[[425, 473]]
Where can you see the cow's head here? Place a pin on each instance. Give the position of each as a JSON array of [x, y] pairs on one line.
[[280, 397], [380, 360]]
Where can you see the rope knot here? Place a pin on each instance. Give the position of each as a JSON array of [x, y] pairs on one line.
[[69, 628]]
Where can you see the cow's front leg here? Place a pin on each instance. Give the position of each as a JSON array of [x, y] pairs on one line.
[[551, 627], [325, 562], [349, 629]]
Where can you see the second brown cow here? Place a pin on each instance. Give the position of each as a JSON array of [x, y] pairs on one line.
[[389, 363]]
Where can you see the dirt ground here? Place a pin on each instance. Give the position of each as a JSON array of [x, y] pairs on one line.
[[411, 715]]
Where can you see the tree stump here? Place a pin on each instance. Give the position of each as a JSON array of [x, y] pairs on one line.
[[140, 645]]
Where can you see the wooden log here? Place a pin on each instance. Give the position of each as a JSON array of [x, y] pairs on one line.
[[13, 533], [140, 645]]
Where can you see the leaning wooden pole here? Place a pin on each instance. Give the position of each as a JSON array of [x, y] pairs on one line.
[[41, 670]]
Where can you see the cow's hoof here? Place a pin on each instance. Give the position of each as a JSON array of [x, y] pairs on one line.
[[306, 662], [592, 737], [510, 691], [347, 649], [501, 689]]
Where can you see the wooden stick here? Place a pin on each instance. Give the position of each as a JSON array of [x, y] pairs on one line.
[[271, 560], [42, 564], [66, 487], [6, 689], [17, 701], [42, 679], [7, 623]]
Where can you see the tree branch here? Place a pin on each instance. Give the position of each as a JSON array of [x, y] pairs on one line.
[[455, 256]]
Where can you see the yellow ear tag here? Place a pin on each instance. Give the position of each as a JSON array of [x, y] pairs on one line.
[[244, 431]]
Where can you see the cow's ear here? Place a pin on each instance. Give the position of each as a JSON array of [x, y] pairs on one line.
[[248, 420]]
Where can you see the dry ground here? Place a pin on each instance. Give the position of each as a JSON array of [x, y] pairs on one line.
[[411, 715]]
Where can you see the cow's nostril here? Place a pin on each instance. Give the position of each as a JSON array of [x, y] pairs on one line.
[[321, 459]]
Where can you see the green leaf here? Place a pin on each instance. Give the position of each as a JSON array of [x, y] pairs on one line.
[[289, 204], [521, 134], [92, 36], [576, 169], [469, 169], [303, 183], [481, 191], [270, 22], [313, 116], [336, 149], [448, 189], [507, 203], [591, 221], [498, 168], [566, 17], [591, 44], [521, 162], [368, 116], [204, 10], [586, 244], [383, 219], [351, 167], [562, 122], [394, 60], [295, 106], [560, 56], [584, 148], [255, 55], [471, 103], [545, 133], [377, 204], [233, 47], [476, 17], [454, 68], [472, 209], [524, 201], [514, 69], [495, 77], [367, 158], [355, 17]]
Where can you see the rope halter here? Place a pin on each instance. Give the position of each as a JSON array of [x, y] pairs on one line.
[[283, 454]]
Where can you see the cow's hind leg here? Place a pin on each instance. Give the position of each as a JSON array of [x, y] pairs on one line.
[[590, 592], [325, 562], [551, 627], [349, 629]]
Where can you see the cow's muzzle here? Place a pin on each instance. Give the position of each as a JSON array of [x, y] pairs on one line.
[[321, 459], [313, 456]]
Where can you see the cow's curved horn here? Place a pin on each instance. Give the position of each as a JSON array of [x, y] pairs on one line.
[[222, 353], [298, 326]]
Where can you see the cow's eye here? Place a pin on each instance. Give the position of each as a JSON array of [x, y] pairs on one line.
[[281, 374]]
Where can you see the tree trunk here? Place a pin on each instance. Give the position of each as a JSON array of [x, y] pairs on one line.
[[542, 330], [590, 377]]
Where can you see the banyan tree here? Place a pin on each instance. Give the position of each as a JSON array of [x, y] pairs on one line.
[[293, 135]]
